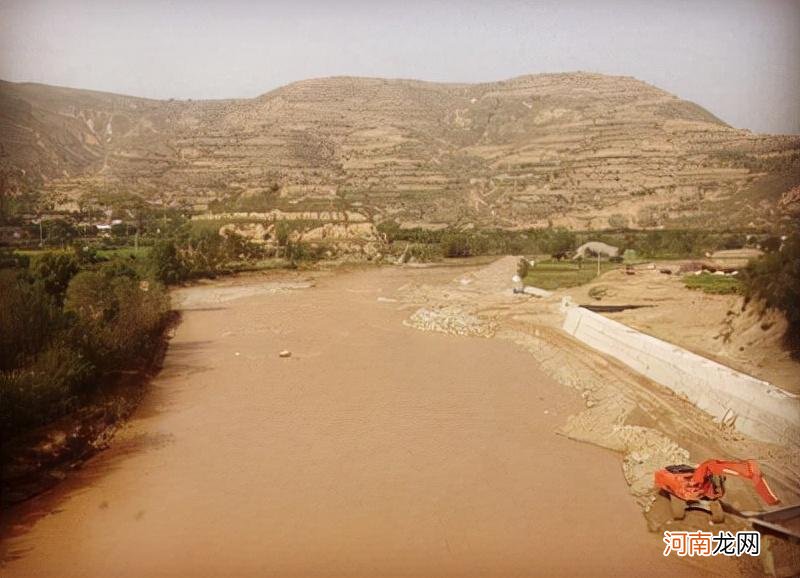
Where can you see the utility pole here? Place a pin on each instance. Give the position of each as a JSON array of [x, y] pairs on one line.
[[598, 264]]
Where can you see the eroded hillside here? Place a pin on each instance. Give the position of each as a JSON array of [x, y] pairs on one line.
[[568, 149]]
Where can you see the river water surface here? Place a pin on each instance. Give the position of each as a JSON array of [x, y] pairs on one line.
[[374, 450]]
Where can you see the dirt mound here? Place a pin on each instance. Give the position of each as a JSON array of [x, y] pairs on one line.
[[750, 335], [494, 278]]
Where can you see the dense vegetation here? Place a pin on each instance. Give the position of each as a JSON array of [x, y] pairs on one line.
[[197, 251], [428, 245], [68, 322], [658, 244]]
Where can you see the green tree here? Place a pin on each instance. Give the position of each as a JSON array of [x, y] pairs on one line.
[[238, 247], [558, 241], [165, 264], [29, 318], [115, 316], [390, 230], [59, 232], [282, 231], [771, 244], [43, 390], [455, 244], [54, 271], [203, 252], [85, 254]]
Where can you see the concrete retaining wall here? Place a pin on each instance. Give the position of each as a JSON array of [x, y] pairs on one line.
[[755, 407]]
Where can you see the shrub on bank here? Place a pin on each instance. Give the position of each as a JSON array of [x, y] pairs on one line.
[[58, 345], [523, 267], [202, 252], [165, 264], [114, 316], [775, 279], [43, 390], [54, 270], [29, 317], [423, 253]]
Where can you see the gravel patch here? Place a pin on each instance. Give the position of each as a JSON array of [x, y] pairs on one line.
[[451, 320]]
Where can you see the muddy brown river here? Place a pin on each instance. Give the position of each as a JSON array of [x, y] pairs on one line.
[[376, 449]]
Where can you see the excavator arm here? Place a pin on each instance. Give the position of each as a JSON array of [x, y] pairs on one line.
[[747, 469]]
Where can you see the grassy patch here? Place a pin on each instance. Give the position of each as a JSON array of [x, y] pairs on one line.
[[714, 284], [558, 274], [35, 252], [124, 252]]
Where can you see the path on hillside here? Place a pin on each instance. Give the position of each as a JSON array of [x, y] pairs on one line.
[[376, 449]]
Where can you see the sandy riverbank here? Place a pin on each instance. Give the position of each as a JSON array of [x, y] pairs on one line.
[[721, 327]]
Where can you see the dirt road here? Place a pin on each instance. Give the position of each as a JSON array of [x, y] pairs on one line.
[[374, 450]]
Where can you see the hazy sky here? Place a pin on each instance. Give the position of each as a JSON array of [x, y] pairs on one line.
[[738, 58]]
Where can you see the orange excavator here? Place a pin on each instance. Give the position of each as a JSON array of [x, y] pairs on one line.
[[704, 485]]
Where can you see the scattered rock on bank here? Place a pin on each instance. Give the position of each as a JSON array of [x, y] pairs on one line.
[[451, 320]]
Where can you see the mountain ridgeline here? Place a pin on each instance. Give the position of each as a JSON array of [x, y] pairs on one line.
[[578, 150]]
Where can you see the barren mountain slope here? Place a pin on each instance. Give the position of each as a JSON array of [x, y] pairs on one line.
[[569, 149]]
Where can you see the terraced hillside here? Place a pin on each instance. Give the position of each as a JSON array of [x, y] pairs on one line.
[[568, 149]]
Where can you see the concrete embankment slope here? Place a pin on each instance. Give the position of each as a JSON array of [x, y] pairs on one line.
[[754, 407]]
